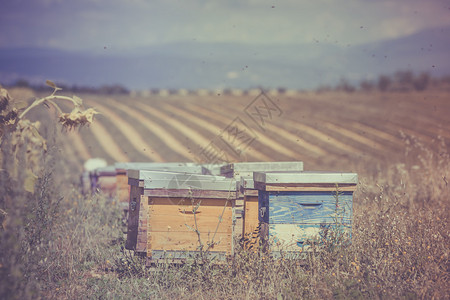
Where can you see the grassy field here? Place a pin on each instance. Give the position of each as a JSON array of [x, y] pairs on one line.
[[60, 244]]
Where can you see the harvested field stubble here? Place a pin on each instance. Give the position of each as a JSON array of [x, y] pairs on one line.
[[400, 230]]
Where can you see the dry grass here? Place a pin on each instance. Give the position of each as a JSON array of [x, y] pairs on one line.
[[59, 244], [399, 250]]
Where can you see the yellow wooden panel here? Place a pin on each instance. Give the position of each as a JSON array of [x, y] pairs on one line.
[[107, 184], [179, 221], [175, 215], [186, 202], [123, 189], [143, 224], [251, 214], [187, 241]]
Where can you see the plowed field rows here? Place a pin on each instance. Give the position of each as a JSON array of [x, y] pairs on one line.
[[335, 131]]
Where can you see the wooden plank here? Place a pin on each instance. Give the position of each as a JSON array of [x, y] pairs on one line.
[[142, 235], [187, 241], [157, 166], [192, 182], [305, 177], [190, 194], [241, 168], [251, 193], [123, 189], [238, 228], [171, 223], [133, 217], [239, 202], [251, 220], [293, 237], [162, 220], [164, 256], [182, 173], [305, 187], [178, 216]]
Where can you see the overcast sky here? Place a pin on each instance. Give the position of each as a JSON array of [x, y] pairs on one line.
[[122, 24]]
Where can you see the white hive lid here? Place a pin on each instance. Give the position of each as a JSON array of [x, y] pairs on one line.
[[246, 167], [305, 177]]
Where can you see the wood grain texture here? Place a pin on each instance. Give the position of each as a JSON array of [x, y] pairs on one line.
[[305, 187], [251, 220], [305, 177], [197, 194], [188, 241], [123, 189], [172, 224], [141, 245], [133, 217], [309, 207]]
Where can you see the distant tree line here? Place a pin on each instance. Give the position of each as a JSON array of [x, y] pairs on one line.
[[104, 89], [401, 81]]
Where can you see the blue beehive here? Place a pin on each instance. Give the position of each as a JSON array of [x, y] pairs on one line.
[[299, 208]]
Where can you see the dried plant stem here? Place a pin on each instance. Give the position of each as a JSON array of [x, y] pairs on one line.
[[50, 100]]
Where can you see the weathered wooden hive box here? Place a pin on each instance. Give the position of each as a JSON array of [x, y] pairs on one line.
[[298, 207], [247, 221], [123, 189], [171, 213], [104, 180]]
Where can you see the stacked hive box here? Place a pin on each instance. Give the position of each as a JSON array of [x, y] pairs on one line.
[[297, 207], [174, 213], [247, 196], [123, 189], [104, 180]]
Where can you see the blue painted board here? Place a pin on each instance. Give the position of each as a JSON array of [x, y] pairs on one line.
[[305, 207], [297, 237]]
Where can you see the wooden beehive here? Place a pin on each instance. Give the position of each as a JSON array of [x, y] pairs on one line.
[[104, 180], [247, 222], [161, 218], [123, 189], [296, 208]]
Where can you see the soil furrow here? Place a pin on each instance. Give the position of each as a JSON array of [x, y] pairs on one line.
[[194, 140], [266, 141], [107, 142], [170, 141], [210, 127], [135, 139]]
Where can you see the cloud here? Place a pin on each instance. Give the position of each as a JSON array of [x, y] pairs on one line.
[[89, 24]]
